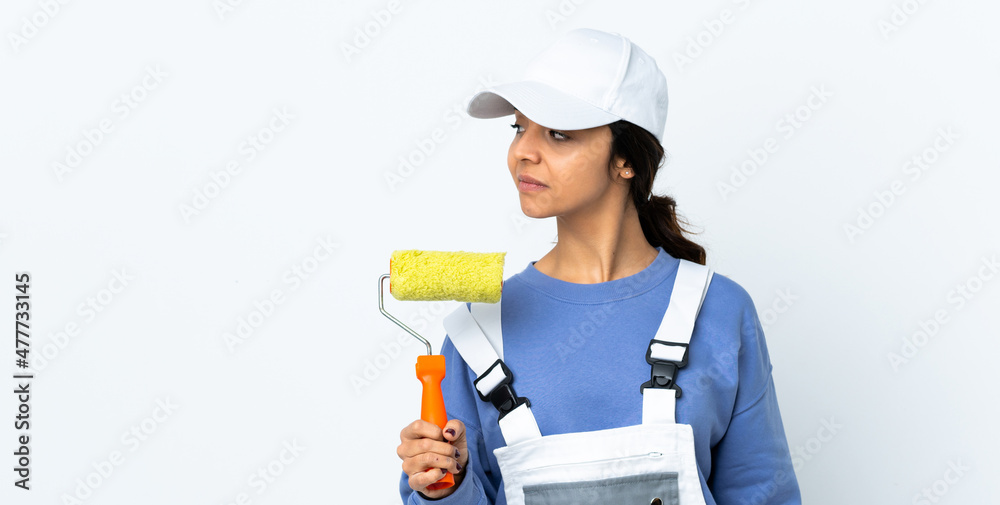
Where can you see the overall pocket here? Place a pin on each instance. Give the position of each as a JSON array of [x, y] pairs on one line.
[[644, 489], [640, 464]]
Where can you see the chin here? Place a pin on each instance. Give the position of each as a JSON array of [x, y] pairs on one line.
[[531, 209]]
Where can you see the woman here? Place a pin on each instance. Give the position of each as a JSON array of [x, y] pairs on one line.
[[588, 119]]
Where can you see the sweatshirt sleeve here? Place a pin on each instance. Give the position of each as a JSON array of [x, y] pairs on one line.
[[477, 487], [752, 462]]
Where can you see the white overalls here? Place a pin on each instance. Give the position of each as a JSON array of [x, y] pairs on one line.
[[652, 463]]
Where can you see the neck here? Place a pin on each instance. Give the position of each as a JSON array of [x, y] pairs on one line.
[[598, 246]]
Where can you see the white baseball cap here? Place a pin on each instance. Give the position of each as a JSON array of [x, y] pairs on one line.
[[586, 78]]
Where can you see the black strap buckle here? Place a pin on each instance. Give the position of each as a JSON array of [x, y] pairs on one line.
[[502, 396], [663, 373]]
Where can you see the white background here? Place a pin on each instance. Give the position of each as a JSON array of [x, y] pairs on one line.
[[836, 304]]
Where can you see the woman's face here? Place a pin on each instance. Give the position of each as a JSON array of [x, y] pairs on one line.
[[571, 165]]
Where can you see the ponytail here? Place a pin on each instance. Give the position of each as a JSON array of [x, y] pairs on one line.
[[657, 214]]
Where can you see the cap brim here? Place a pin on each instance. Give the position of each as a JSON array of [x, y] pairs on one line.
[[541, 103]]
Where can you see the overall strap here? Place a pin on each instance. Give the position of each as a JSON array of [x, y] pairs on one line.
[[668, 350], [478, 338]]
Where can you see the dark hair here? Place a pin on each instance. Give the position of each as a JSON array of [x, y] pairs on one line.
[[660, 223]]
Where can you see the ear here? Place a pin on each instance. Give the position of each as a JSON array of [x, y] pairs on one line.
[[621, 166]]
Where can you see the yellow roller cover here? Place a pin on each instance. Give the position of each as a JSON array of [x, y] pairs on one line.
[[442, 275]]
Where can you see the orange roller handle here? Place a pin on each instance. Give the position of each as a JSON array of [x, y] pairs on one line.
[[430, 371]]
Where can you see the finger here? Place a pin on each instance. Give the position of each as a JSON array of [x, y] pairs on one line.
[[461, 457], [420, 429], [419, 481], [412, 448], [429, 461]]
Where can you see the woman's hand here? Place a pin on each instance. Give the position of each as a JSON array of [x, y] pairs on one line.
[[424, 446]]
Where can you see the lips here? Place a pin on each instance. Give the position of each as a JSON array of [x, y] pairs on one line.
[[530, 180]]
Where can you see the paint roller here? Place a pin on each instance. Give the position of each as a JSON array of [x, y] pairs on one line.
[[416, 275]]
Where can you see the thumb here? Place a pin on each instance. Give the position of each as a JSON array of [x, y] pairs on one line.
[[454, 431]]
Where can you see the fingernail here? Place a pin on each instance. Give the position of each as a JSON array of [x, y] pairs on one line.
[[459, 467], [457, 454], [450, 431], [444, 471]]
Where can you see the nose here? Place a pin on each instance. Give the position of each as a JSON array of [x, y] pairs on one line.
[[525, 145]]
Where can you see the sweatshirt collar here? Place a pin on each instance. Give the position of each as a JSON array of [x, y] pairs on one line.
[[636, 284]]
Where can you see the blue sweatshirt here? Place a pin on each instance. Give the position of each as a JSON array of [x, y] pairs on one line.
[[577, 352]]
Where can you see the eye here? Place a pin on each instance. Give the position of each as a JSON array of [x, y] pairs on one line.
[[558, 135]]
